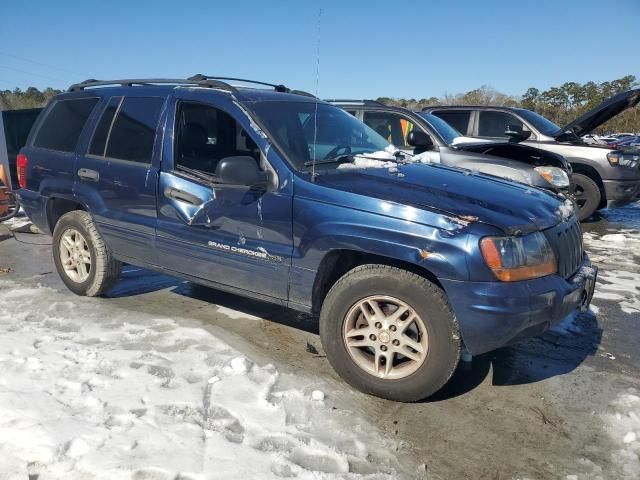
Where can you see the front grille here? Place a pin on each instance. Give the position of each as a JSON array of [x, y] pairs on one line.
[[566, 242]]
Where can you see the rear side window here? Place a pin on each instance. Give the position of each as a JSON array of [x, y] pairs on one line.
[[458, 119], [494, 124], [63, 124], [133, 132]]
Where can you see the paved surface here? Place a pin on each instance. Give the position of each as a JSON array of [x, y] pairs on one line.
[[536, 410]]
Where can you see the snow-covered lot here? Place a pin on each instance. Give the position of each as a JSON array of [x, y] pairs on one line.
[[167, 381], [86, 395]]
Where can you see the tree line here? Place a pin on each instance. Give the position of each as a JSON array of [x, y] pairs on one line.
[[559, 104]]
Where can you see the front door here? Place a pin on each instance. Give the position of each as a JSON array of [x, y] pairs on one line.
[[235, 236]]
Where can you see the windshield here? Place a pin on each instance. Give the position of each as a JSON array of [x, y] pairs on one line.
[[446, 131], [543, 125], [338, 133]]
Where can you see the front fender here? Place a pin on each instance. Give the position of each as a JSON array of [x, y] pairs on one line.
[[319, 229], [439, 251]]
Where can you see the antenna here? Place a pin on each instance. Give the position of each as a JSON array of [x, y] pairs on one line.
[[315, 117]]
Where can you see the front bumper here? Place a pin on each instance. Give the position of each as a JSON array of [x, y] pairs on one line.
[[621, 192], [494, 314]]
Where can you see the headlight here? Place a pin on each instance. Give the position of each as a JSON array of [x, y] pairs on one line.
[[623, 159], [554, 175], [519, 258]]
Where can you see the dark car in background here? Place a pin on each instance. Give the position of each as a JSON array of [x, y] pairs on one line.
[[430, 139], [603, 177]]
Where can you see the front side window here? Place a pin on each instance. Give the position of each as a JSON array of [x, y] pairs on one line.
[[394, 128], [544, 125], [205, 135], [458, 119], [305, 134], [494, 124], [63, 125]]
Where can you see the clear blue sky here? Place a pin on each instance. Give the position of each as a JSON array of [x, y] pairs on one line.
[[367, 48]]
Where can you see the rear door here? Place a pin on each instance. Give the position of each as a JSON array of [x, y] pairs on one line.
[[233, 235], [117, 175]]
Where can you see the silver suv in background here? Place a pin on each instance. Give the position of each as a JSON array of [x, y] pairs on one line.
[[429, 139], [603, 177]]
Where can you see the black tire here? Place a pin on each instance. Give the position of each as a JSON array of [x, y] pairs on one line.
[[586, 194], [425, 298], [104, 270]]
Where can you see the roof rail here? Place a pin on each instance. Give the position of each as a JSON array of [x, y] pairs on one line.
[[357, 102], [129, 82], [277, 87], [196, 80], [201, 78]]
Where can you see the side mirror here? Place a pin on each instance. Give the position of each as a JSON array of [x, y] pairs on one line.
[[240, 170], [419, 139], [516, 133]]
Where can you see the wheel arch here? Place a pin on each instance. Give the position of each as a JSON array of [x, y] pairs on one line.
[[581, 166], [56, 207], [339, 261]]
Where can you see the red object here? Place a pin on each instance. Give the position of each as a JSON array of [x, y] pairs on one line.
[[22, 170]]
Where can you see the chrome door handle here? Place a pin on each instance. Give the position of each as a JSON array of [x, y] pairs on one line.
[[88, 174], [182, 196]]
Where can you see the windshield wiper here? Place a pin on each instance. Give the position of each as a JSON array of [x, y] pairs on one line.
[[345, 158]]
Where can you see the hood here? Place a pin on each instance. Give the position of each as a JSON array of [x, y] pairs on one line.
[[589, 121], [462, 197]]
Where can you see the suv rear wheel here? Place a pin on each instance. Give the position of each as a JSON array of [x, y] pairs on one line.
[[82, 259], [390, 333], [586, 194]]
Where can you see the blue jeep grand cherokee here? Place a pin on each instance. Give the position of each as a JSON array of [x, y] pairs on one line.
[[275, 195]]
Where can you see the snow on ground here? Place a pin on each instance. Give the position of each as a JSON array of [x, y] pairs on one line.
[[83, 396], [623, 425], [614, 252], [17, 222], [622, 246]]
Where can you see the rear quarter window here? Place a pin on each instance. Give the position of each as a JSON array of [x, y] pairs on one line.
[[63, 124]]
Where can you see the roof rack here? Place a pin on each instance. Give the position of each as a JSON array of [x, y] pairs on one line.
[[357, 102], [197, 80], [277, 87], [130, 82]]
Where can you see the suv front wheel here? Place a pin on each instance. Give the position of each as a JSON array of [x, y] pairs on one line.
[[85, 264], [390, 333]]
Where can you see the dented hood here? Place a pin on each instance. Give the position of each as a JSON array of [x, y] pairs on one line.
[[589, 121], [458, 194]]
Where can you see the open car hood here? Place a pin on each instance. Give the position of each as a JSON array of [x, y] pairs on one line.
[[608, 109]]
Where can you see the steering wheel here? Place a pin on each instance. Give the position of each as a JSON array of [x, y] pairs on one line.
[[334, 152]]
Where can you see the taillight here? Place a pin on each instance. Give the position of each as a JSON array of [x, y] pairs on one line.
[[22, 170]]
